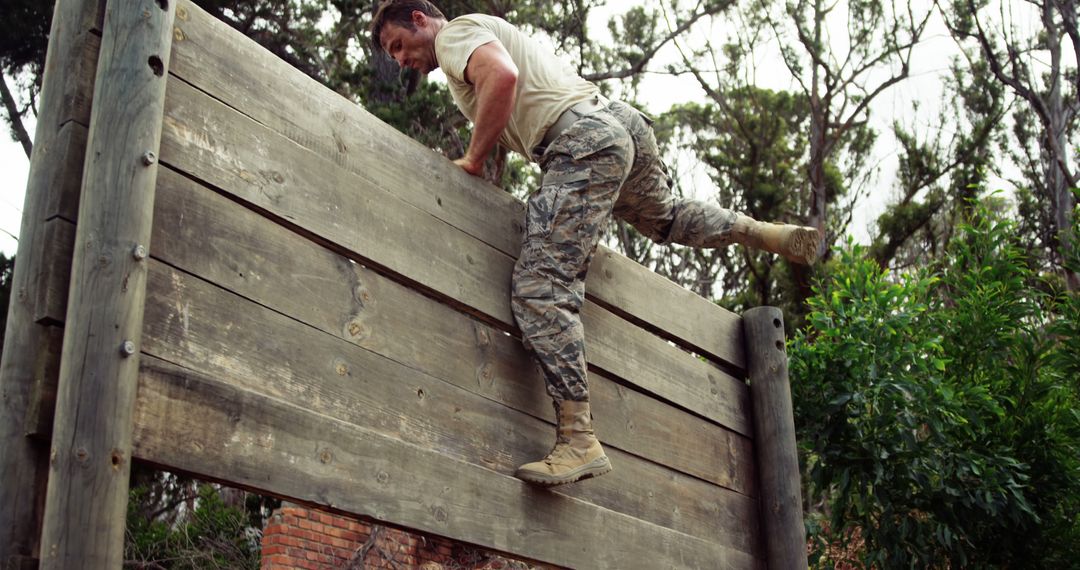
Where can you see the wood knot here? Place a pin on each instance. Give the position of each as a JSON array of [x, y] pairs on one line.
[[117, 459], [440, 514], [357, 330], [382, 477], [82, 455], [326, 456]]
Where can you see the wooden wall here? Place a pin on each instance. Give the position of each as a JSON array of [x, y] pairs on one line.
[[327, 319]]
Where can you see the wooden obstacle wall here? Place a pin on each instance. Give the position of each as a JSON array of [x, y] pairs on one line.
[[323, 315]]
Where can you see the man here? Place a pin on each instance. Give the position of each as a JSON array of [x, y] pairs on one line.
[[598, 158]]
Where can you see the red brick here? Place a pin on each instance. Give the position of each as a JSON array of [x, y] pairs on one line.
[[307, 565], [350, 536], [271, 550], [274, 528]]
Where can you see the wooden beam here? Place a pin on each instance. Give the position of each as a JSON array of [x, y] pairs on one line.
[[212, 142], [774, 428], [343, 134], [91, 452], [196, 325], [184, 418], [27, 345]]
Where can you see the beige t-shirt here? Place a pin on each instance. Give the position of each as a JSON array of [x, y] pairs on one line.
[[546, 86]]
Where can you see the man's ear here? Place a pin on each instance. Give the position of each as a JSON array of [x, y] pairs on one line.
[[419, 19]]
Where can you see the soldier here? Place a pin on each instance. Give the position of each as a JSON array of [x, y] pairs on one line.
[[598, 158]]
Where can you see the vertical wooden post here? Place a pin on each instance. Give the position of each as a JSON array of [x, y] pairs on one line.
[[23, 462], [774, 439], [91, 452]]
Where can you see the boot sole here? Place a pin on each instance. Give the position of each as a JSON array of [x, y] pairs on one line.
[[802, 246], [594, 468]]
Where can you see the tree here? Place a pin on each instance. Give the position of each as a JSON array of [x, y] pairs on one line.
[[24, 34], [1033, 64], [838, 73], [942, 171], [935, 413]]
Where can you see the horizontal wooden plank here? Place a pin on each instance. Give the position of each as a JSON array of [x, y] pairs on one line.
[[201, 327], [219, 240], [651, 299], [268, 89], [213, 143], [191, 423]]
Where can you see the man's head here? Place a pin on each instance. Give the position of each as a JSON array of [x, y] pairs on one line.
[[405, 30]]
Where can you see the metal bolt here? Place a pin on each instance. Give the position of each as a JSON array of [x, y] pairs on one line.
[[149, 158], [128, 348], [139, 253]]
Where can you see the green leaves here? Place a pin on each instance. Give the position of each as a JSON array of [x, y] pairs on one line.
[[936, 415]]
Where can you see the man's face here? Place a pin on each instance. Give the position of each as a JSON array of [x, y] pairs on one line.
[[411, 48]]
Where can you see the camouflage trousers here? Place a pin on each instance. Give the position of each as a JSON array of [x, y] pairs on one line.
[[607, 163]]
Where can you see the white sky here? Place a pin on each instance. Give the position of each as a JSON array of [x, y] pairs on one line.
[[659, 92]]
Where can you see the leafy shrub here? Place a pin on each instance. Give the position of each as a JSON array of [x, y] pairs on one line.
[[937, 409]]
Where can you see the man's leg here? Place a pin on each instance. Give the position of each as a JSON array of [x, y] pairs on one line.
[[583, 171], [648, 204]]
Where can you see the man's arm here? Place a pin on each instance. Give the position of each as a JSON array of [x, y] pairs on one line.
[[494, 76]]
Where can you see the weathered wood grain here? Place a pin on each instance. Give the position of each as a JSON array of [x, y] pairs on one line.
[[187, 421], [66, 175], [774, 424], [644, 297], [51, 305], [246, 254], [201, 327], [90, 460], [39, 416], [23, 462], [213, 143], [338, 131]]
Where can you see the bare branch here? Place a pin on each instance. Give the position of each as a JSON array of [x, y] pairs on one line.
[[15, 118], [639, 65]]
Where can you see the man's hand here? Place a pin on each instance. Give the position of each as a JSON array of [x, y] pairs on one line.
[[476, 168]]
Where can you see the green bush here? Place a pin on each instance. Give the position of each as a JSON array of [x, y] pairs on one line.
[[208, 535], [937, 409]]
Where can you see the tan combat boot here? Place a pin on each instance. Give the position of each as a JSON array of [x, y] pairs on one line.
[[577, 454], [799, 244]]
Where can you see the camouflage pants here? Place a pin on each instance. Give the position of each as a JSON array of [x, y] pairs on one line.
[[606, 163]]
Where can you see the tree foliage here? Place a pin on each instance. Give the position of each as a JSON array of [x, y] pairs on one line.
[[178, 523], [937, 412]]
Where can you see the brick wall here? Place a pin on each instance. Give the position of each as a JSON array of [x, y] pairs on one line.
[[297, 537]]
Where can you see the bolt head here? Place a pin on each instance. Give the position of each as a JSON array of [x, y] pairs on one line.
[[139, 252], [149, 158], [128, 348]]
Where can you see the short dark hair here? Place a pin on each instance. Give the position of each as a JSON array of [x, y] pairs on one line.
[[399, 12]]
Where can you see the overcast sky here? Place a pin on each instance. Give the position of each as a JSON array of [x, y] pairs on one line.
[[660, 92]]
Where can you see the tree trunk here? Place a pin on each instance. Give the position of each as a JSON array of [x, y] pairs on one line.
[[1055, 141]]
